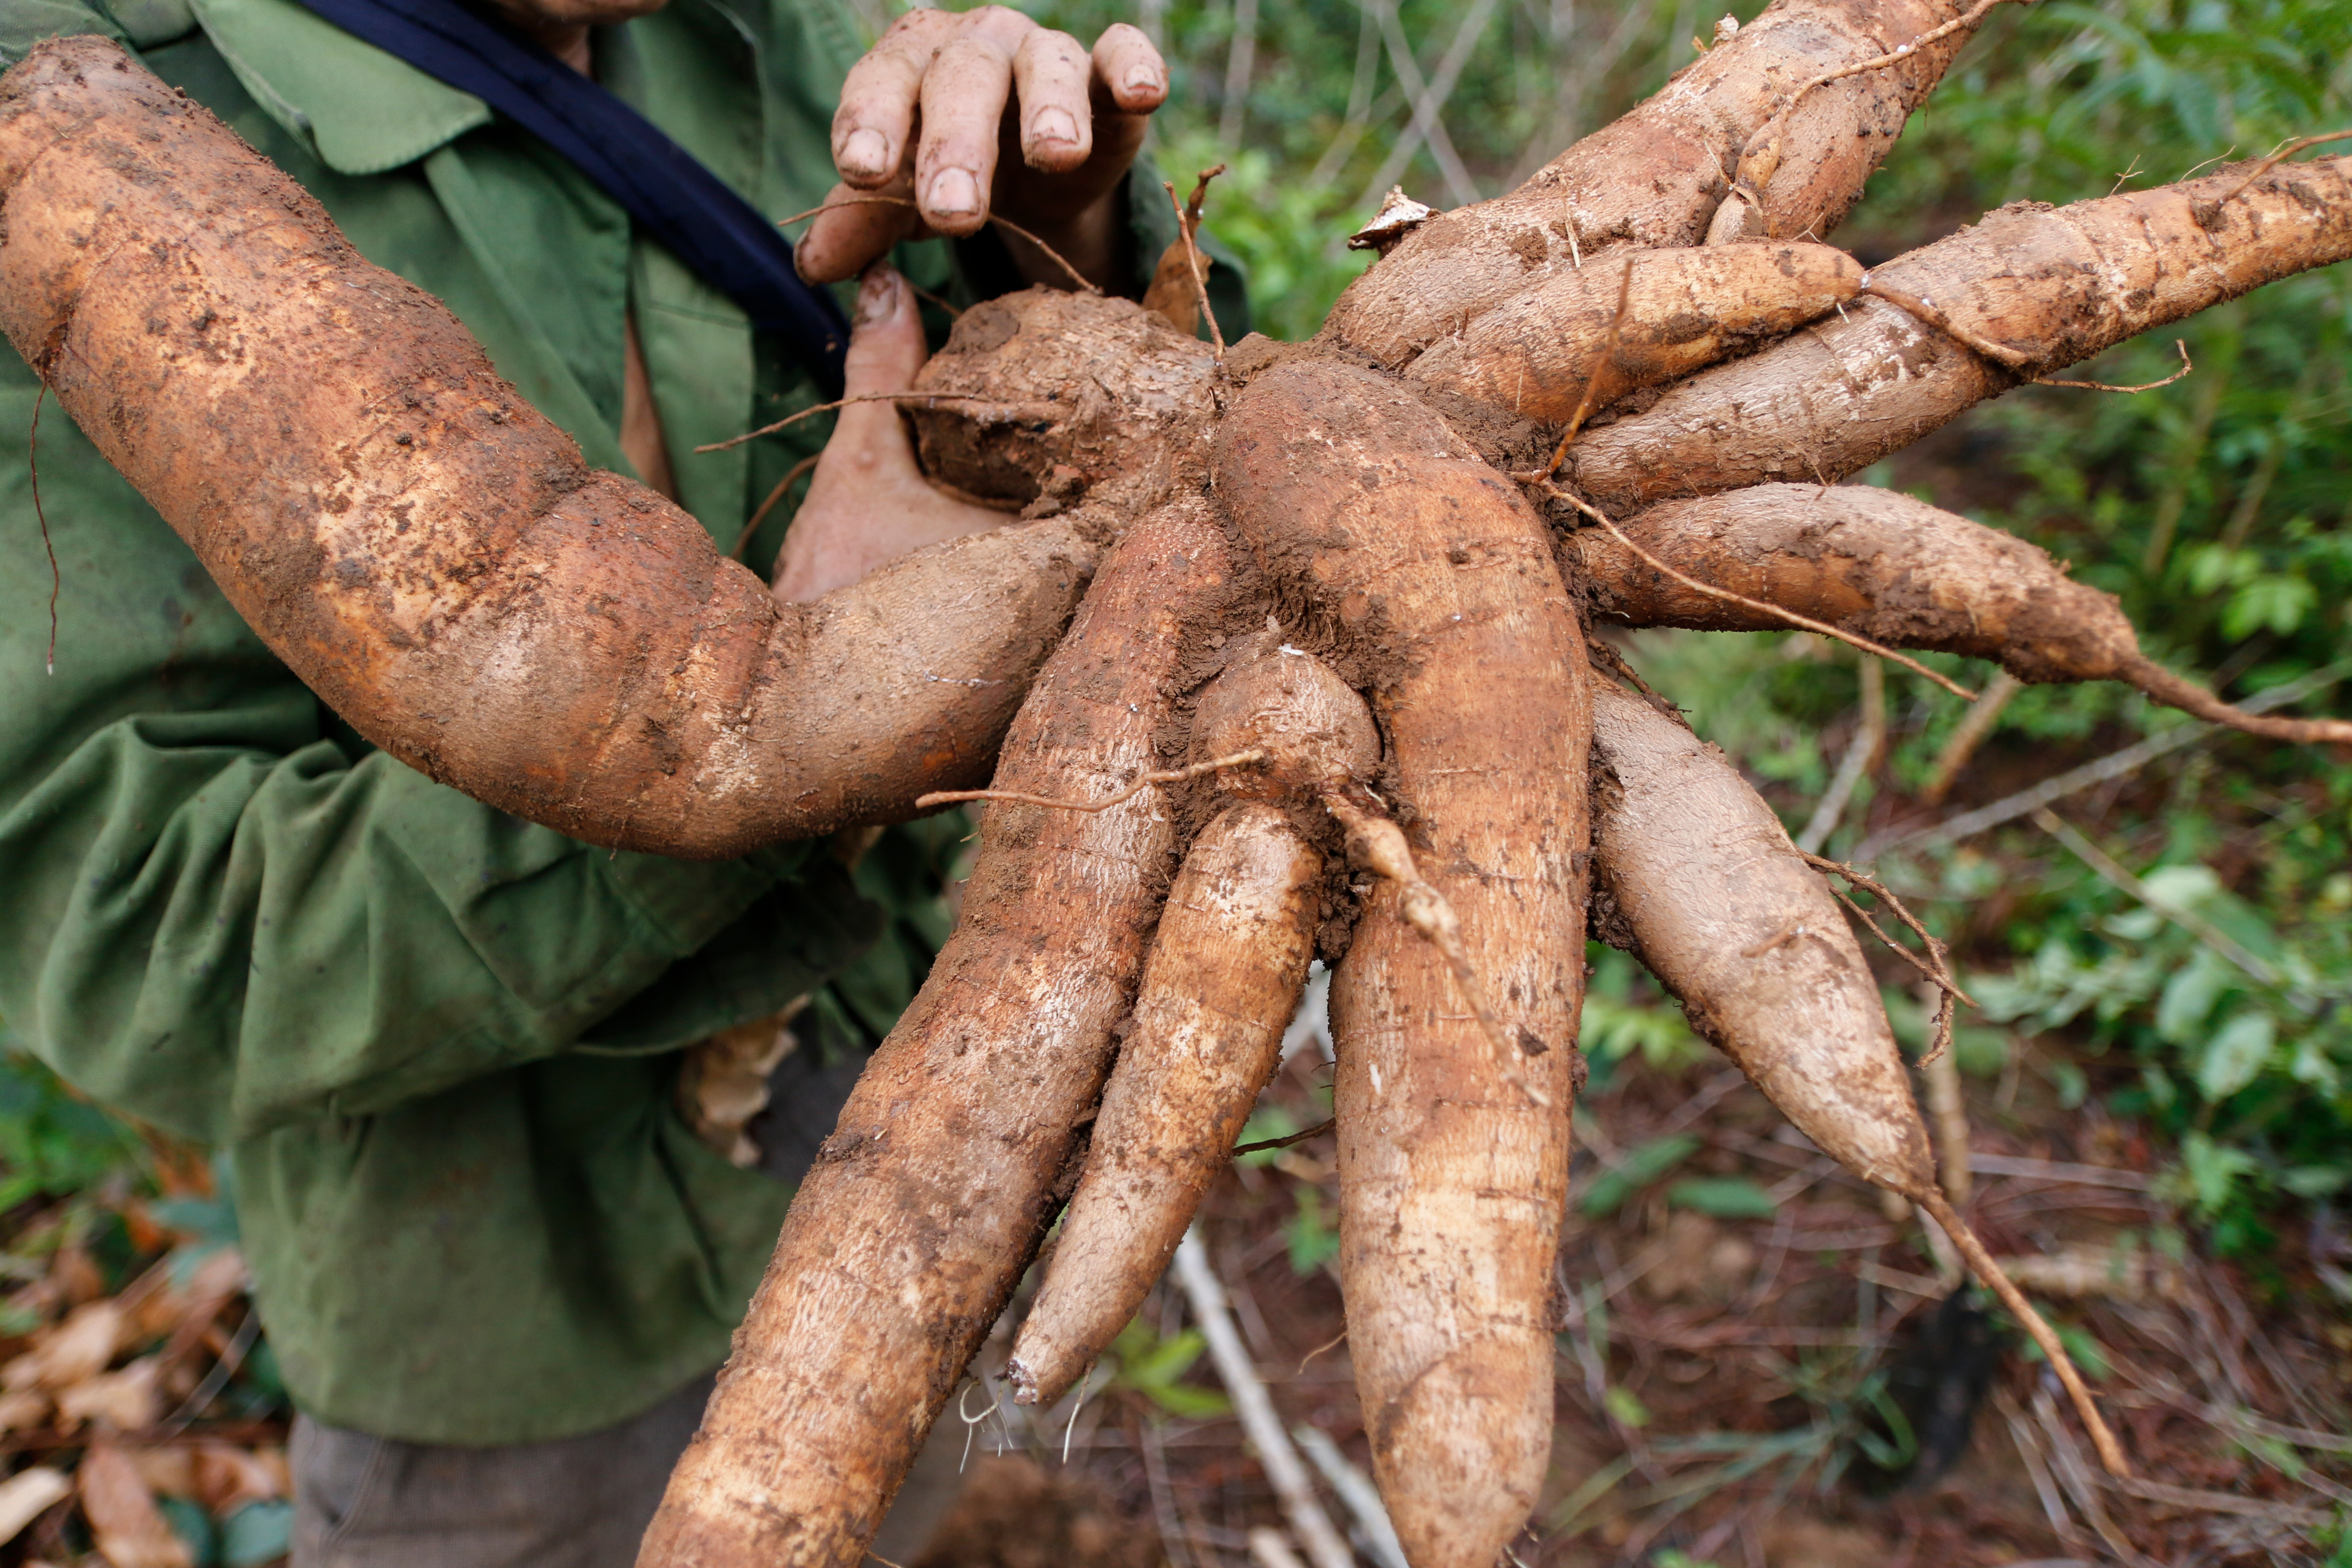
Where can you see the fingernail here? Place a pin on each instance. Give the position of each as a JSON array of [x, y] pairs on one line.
[[1054, 124], [866, 152], [878, 296], [953, 191], [1142, 79]]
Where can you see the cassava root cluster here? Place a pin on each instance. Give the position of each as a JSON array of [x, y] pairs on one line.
[[1303, 587]]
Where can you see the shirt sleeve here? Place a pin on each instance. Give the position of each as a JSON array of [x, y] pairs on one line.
[[222, 911]]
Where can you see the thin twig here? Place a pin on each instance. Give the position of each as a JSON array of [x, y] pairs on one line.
[[761, 516], [2185, 366], [1317, 1131], [2114, 765], [1599, 369], [1869, 736], [2286, 150], [1292, 1483], [2111, 870], [1005, 224], [32, 466], [955, 313], [838, 403], [1974, 726], [1192, 260], [1380, 844], [1919, 305], [1794, 619], [1252, 758]]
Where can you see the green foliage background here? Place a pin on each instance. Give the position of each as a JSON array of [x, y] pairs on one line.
[[2215, 509]]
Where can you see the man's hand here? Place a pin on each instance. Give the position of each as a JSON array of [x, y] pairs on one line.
[[869, 504], [937, 113]]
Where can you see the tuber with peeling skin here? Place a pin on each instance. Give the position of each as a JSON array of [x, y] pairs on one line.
[[2053, 285], [905, 1241], [1536, 352], [1433, 583], [429, 554], [1655, 176], [1893, 569], [1225, 976], [1695, 875]]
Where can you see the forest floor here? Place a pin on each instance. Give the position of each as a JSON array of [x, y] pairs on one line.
[[1722, 1380]]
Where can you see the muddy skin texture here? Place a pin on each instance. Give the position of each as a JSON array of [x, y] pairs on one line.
[[1437, 581], [1076, 395], [2054, 284], [1696, 877], [1536, 352], [930, 1197], [1872, 562], [1225, 976], [1897, 570], [429, 552], [1654, 177]]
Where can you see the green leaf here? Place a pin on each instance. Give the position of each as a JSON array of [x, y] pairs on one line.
[[1724, 1197], [1644, 1166], [1624, 1407], [257, 1533], [1314, 1241], [2236, 1056], [2188, 996]]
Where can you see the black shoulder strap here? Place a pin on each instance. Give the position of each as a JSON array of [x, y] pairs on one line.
[[724, 240]]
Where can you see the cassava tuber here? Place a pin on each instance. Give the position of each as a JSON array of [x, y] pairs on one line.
[[1894, 570], [938, 1180], [431, 554], [1432, 581]]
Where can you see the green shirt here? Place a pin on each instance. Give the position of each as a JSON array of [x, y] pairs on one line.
[[441, 1042]]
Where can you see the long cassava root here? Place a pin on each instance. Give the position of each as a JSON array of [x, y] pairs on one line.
[[924, 1206], [1695, 875], [1223, 978], [1287, 534], [2052, 286], [1433, 581], [1896, 569], [431, 554]]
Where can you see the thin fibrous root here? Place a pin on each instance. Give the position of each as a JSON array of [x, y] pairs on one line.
[[1775, 611], [840, 403], [1380, 847], [1934, 967], [1254, 757], [1983, 1265], [1600, 368], [2003, 354], [2301, 144]]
